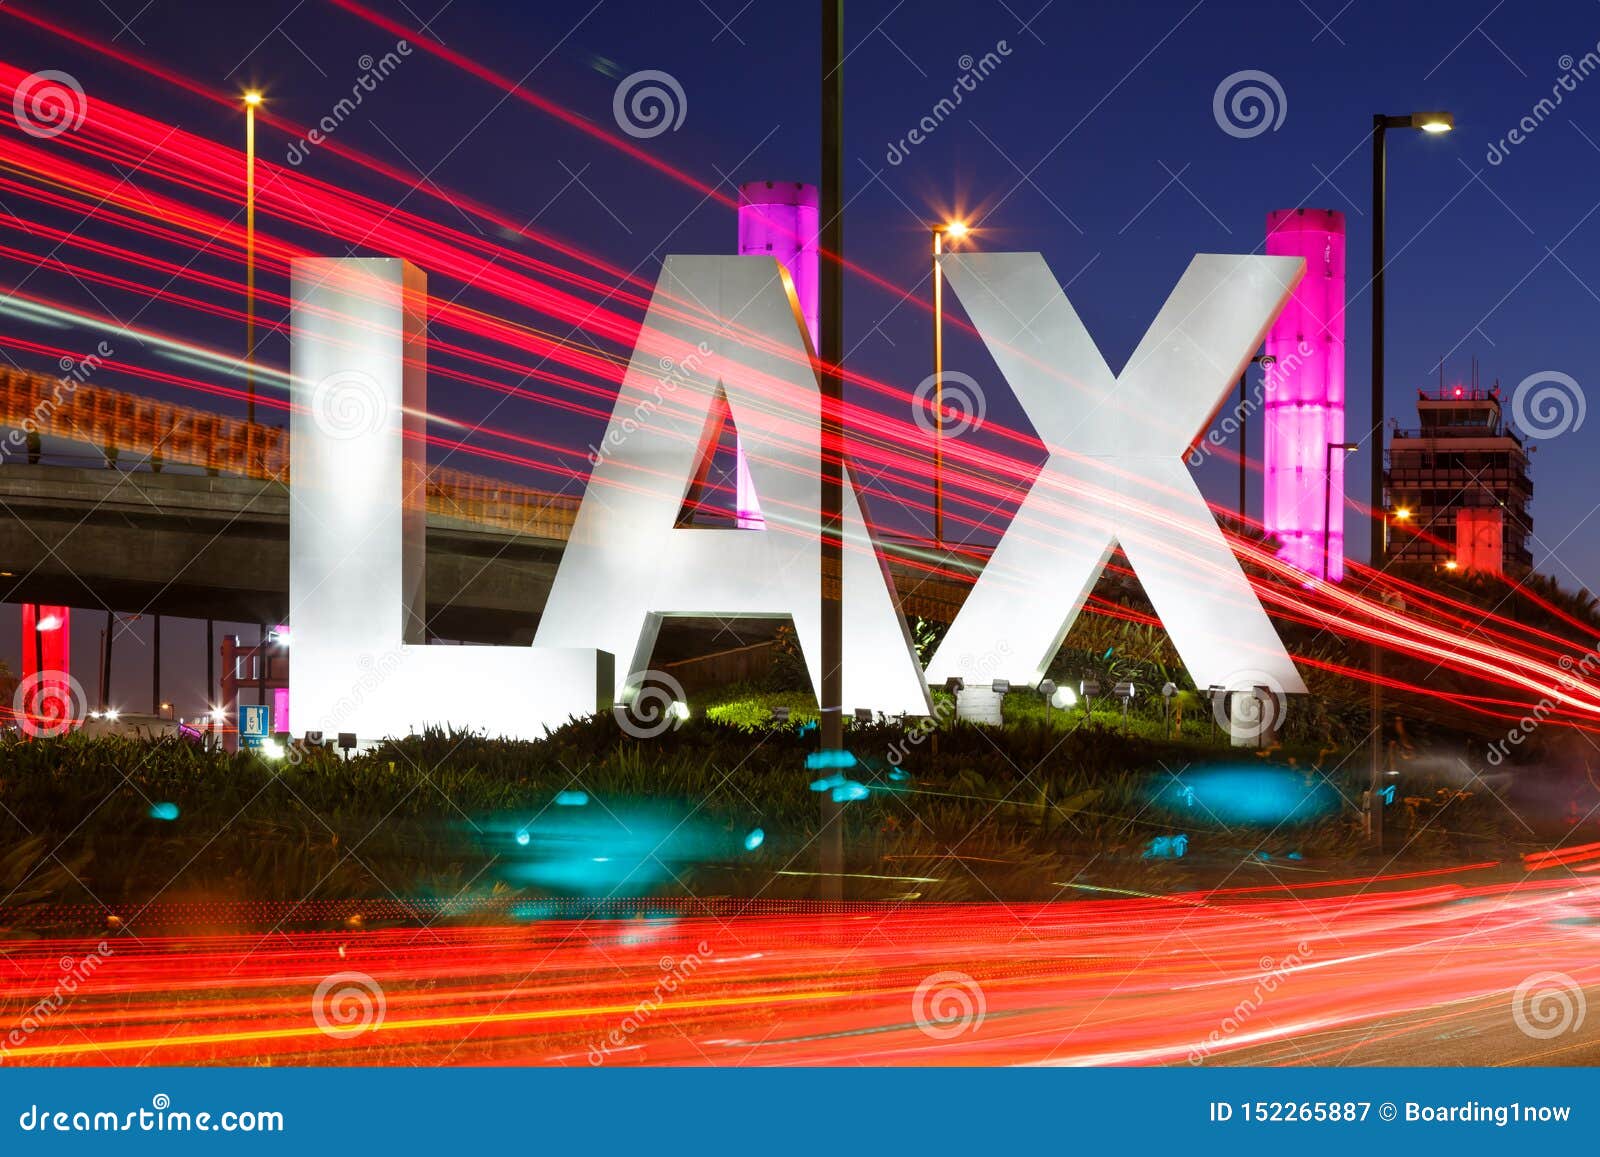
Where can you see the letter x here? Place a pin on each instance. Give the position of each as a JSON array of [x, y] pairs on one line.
[[1115, 472]]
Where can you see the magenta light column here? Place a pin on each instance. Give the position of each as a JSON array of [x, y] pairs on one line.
[[1303, 396], [778, 219]]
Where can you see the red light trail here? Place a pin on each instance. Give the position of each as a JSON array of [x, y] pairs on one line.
[[1206, 977]]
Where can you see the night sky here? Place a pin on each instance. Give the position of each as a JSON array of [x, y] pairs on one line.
[[1093, 141]]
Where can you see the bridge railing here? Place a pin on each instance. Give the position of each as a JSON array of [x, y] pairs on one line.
[[129, 429]]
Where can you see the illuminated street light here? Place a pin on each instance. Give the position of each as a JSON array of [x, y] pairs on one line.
[[955, 230], [252, 100], [1432, 123]]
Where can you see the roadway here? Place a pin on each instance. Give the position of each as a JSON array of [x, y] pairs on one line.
[[1431, 970]]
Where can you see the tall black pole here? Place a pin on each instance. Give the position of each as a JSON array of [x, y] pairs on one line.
[[211, 667], [1380, 196], [105, 661], [155, 669], [831, 693]]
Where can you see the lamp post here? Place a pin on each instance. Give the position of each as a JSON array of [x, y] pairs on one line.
[[830, 323], [1244, 422], [1327, 498], [1434, 123], [251, 100], [955, 230]]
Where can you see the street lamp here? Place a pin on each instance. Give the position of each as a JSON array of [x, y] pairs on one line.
[[1327, 497], [1432, 123], [252, 99], [955, 230]]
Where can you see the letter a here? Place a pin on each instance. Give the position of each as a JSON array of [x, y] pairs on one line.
[[722, 332]]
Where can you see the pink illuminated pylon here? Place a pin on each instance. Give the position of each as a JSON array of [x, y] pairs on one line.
[[46, 669], [1304, 396], [778, 219]]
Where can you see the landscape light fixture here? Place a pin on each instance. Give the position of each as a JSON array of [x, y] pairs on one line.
[[1125, 691], [1000, 686], [954, 684], [313, 739], [1215, 693], [863, 715], [347, 742]]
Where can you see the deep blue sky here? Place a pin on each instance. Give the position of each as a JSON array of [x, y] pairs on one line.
[[1106, 107]]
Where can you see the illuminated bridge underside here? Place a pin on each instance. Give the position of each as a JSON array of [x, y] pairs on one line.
[[218, 547]]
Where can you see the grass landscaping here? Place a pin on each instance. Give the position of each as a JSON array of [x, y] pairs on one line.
[[1052, 805]]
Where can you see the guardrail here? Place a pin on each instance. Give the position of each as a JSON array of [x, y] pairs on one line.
[[162, 433]]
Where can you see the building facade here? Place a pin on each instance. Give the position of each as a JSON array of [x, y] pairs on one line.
[[1464, 456]]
